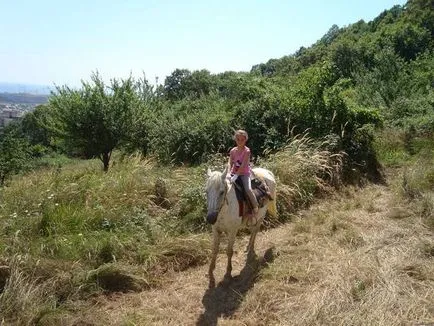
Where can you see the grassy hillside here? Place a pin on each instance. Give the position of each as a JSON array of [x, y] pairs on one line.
[[73, 234], [362, 257], [71, 231]]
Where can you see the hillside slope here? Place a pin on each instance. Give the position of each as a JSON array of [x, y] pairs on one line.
[[364, 257]]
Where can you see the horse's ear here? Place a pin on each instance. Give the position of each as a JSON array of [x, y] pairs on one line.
[[208, 172]]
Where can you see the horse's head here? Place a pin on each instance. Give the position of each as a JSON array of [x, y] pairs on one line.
[[215, 194]]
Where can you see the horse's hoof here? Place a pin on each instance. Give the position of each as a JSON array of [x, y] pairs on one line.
[[227, 279]]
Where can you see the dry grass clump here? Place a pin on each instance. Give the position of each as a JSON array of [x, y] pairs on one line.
[[305, 168], [23, 299], [115, 278], [183, 253], [38, 289]]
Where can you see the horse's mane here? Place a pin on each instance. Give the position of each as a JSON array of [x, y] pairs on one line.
[[215, 176]]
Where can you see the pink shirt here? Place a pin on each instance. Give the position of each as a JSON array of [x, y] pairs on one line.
[[237, 158]]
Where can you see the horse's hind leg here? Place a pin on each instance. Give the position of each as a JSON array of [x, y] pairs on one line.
[[215, 250], [251, 245]]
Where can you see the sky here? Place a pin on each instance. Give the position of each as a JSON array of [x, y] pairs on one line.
[[58, 42]]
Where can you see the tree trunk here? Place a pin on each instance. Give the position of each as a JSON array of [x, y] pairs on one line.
[[105, 160]]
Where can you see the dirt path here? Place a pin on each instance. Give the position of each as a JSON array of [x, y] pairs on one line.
[[186, 299], [358, 259]]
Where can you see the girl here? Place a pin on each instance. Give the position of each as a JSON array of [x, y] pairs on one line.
[[239, 166]]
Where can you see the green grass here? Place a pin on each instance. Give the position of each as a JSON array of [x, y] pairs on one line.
[[398, 148], [412, 156]]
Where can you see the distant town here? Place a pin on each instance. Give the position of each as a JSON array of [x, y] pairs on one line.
[[13, 106]]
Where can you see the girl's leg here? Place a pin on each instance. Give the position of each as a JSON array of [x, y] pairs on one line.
[[248, 189]]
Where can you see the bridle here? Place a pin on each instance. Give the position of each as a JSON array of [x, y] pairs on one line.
[[225, 198]]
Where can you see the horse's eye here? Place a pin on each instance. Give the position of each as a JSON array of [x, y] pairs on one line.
[[222, 193]]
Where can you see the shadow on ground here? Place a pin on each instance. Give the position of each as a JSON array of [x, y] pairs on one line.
[[224, 300]]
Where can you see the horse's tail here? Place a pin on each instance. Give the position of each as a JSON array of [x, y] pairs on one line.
[[270, 180], [272, 207]]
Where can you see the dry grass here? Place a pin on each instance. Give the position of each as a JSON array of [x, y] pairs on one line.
[[377, 276], [343, 262], [340, 266], [305, 169], [23, 300]]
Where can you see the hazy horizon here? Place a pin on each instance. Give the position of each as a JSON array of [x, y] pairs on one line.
[[7, 87]]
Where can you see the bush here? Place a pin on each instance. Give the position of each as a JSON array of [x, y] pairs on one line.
[[186, 134], [14, 154]]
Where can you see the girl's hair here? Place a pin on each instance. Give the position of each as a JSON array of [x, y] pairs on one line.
[[241, 132]]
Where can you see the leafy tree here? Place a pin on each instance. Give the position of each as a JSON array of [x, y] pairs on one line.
[[408, 40], [14, 154], [182, 84], [200, 83], [96, 118], [149, 104], [35, 126], [383, 81], [331, 34], [421, 12], [190, 130], [386, 17], [266, 69], [174, 85]]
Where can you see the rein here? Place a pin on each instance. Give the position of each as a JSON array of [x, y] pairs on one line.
[[225, 199]]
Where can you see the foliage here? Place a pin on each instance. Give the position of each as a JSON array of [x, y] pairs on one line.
[[35, 124], [14, 154], [95, 119], [190, 131]]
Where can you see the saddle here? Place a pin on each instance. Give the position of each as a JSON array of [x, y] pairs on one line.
[[260, 190]]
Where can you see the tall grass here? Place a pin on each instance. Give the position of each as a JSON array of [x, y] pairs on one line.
[[305, 169]]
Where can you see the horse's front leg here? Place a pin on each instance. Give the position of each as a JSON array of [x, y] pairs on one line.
[[230, 252], [215, 250]]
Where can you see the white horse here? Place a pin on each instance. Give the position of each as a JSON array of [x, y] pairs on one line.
[[223, 214]]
